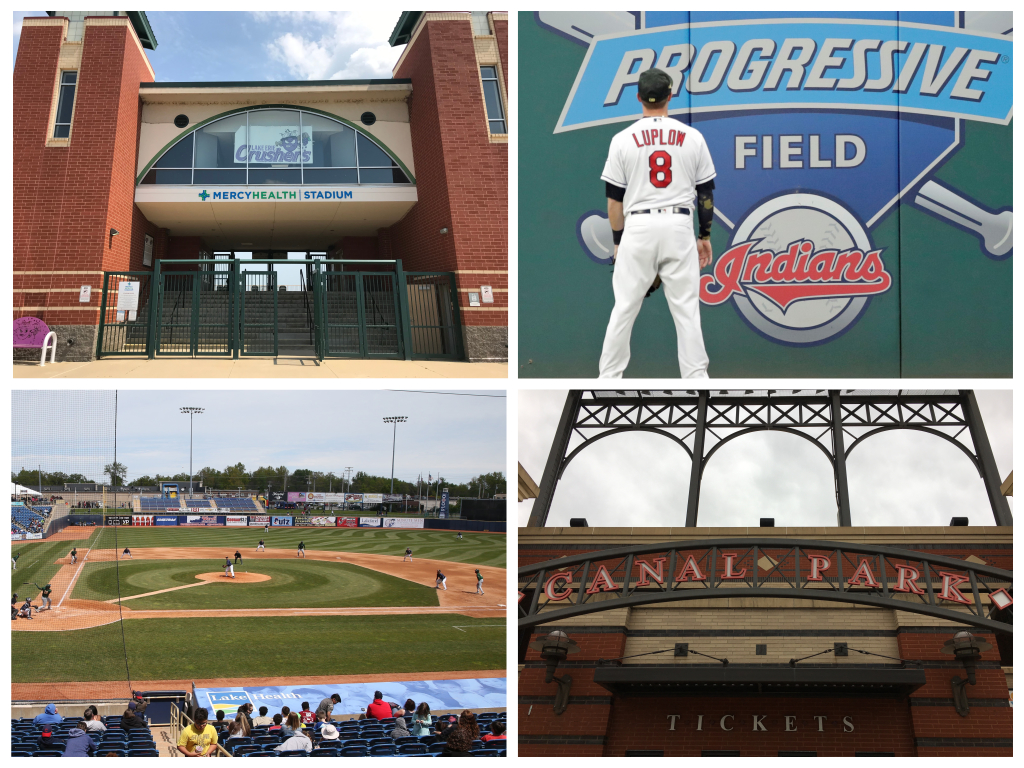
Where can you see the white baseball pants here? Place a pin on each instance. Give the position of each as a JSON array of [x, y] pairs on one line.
[[656, 244]]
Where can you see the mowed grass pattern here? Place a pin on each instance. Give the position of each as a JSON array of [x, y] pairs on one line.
[[38, 563], [476, 548], [293, 584], [174, 649]]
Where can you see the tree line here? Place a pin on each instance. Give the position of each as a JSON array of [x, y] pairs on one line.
[[279, 479]]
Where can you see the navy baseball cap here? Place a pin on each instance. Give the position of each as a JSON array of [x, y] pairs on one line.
[[654, 86]]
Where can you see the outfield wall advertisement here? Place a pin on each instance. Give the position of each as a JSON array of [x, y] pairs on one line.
[[403, 522], [263, 520], [863, 201], [275, 520], [142, 519], [369, 522], [118, 520], [236, 520], [317, 520], [31, 536], [165, 520], [198, 520], [17, 537], [347, 522]]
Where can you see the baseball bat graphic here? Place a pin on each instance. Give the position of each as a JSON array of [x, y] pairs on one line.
[[995, 230], [586, 25]]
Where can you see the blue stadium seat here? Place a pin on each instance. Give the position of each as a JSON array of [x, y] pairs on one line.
[[502, 753], [382, 750], [412, 749], [238, 750], [267, 739], [47, 753], [427, 739], [407, 740], [491, 715], [477, 744], [484, 752], [352, 752], [293, 753], [356, 743], [436, 748], [321, 752], [381, 740], [148, 752]]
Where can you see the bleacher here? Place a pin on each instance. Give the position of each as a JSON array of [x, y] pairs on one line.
[[150, 504], [137, 742], [361, 738], [240, 505], [27, 519], [198, 502]]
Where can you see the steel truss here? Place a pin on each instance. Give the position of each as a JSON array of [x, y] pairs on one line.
[[556, 590], [703, 421]]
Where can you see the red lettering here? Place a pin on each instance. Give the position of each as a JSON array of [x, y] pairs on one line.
[[863, 573], [762, 262], [819, 268], [800, 272], [906, 580], [551, 589], [726, 275], [729, 558], [950, 582], [846, 265], [602, 582], [646, 570], [638, 144], [819, 563], [690, 571]]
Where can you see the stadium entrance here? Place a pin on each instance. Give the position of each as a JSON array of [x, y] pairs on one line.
[[340, 308]]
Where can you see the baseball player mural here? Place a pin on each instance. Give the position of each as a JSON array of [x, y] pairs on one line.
[[862, 190]]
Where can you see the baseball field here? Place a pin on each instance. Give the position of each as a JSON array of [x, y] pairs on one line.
[[350, 607]]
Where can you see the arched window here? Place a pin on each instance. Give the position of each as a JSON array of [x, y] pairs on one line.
[[275, 146]]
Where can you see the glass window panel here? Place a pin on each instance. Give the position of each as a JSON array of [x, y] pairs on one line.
[[372, 155], [270, 175], [334, 143], [275, 140], [66, 103], [158, 176], [399, 177], [221, 144], [376, 175], [498, 126], [328, 175], [488, 72], [62, 131], [224, 176], [493, 100], [68, 78], [178, 156]]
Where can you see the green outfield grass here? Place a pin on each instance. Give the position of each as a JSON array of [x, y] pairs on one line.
[[293, 584], [171, 649], [476, 548]]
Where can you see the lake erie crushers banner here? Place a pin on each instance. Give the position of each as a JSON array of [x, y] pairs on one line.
[[863, 200]]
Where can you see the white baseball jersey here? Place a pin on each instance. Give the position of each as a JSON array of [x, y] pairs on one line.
[[658, 161]]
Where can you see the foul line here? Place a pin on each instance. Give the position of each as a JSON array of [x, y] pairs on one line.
[[75, 577], [158, 592], [474, 626]]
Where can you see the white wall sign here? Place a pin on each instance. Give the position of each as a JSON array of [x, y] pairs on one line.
[[128, 296], [85, 294], [147, 253], [474, 299], [487, 294]]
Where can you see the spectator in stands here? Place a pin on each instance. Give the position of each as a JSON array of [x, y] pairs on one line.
[[95, 712], [49, 716], [221, 725], [400, 731], [277, 723], [307, 716], [134, 716], [378, 709], [285, 711], [497, 732], [199, 738], [421, 721], [79, 744], [326, 706], [237, 729], [443, 727], [263, 719], [92, 722], [292, 725], [246, 711], [328, 734], [295, 741], [47, 740], [460, 738], [408, 708]]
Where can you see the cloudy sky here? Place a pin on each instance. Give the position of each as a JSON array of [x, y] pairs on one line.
[[900, 477], [263, 45], [458, 435]]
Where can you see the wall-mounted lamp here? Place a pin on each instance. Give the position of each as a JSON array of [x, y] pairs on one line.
[[114, 232], [110, 243], [967, 649], [444, 230], [554, 649]]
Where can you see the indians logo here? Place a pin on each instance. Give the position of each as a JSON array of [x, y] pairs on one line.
[[819, 127]]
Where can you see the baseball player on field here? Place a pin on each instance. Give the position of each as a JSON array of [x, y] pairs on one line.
[[408, 554], [656, 169], [127, 552], [74, 555], [440, 582], [261, 547], [301, 551], [238, 557], [479, 582], [229, 567]]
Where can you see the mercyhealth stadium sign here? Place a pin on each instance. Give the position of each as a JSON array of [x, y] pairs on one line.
[[876, 576], [159, 193]]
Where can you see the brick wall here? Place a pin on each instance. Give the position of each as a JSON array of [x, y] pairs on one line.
[[462, 178], [67, 198]]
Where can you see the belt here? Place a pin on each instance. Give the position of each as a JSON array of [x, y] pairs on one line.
[[677, 209]]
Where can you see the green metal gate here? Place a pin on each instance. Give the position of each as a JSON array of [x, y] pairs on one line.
[[123, 331], [222, 309], [257, 310], [360, 314]]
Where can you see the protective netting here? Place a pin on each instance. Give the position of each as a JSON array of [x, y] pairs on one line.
[[64, 463]]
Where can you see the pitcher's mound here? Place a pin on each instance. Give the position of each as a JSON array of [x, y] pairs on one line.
[[240, 578]]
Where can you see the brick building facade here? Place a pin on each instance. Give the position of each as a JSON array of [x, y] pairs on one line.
[[651, 712], [73, 192]]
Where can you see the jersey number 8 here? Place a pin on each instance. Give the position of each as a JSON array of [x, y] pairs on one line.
[[660, 163]]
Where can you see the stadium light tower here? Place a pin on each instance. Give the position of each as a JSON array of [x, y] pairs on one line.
[[191, 411], [396, 420]]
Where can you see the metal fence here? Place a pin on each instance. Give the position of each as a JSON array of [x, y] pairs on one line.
[[434, 315], [125, 331]]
